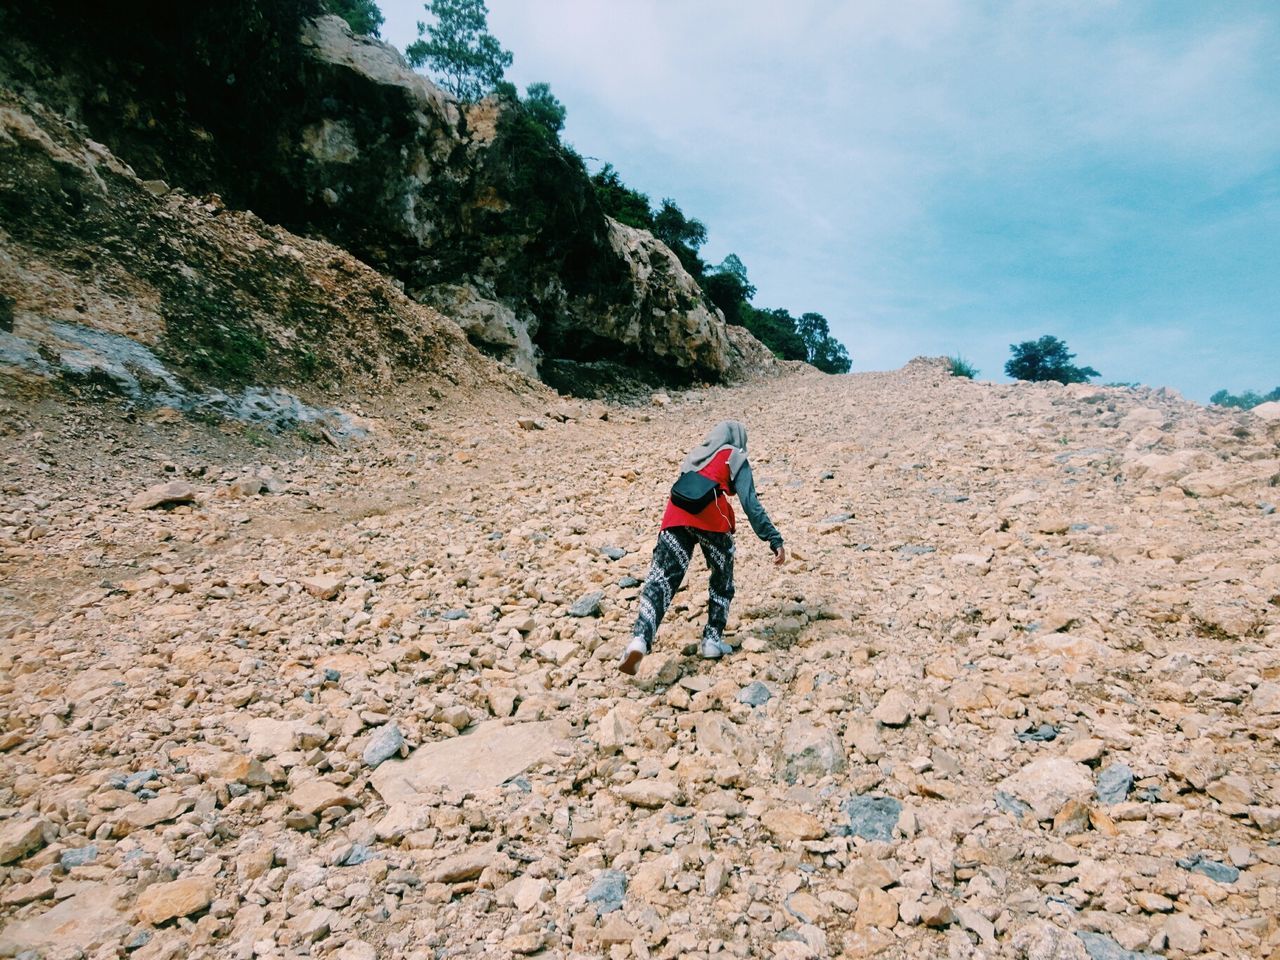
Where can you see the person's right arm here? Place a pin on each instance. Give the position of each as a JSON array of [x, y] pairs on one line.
[[744, 485]]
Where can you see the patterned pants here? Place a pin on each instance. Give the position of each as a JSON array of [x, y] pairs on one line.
[[670, 562]]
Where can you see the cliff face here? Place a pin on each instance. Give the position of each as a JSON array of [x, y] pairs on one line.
[[483, 216], [473, 210]]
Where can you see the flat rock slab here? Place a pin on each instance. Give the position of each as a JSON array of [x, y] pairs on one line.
[[487, 755], [180, 898], [78, 923], [172, 494]]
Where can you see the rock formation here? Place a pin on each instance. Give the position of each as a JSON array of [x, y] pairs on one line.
[[473, 210]]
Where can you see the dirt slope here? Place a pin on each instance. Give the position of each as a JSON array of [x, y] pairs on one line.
[[1003, 600]]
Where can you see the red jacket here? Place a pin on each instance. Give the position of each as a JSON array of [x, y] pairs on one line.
[[718, 516]]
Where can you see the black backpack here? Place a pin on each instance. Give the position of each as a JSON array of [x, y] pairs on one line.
[[693, 492]]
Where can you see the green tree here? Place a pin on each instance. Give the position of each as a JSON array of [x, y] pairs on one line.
[[1046, 359], [684, 235], [362, 16], [831, 356], [541, 104], [1244, 401], [620, 201], [728, 288], [776, 329], [459, 49], [822, 350]]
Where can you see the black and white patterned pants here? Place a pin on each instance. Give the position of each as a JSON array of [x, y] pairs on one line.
[[670, 563]]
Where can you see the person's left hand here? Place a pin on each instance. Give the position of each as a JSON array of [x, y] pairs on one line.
[[780, 556]]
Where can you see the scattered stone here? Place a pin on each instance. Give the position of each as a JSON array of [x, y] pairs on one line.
[[19, 838], [810, 751], [876, 908], [89, 917], [787, 824], [1183, 933], [608, 891], [1101, 947], [175, 493], [383, 745], [894, 709], [313, 796], [650, 793], [179, 898], [1086, 751], [936, 914], [78, 856], [1046, 784], [613, 553], [487, 755], [1041, 734], [755, 694], [461, 867], [872, 818], [1114, 783], [1212, 869], [588, 605], [322, 586], [41, 888]]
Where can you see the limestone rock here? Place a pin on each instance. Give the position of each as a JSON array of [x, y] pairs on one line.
[[787, 824], [649, 793], [172, 494], [91, 917], [313, 796], [894, 709], [809, 750], [19, 838], [1048, 783], [179, 898], [488, 754]]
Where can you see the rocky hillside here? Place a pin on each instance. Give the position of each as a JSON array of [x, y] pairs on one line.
[[1016, 694], [473, 210]]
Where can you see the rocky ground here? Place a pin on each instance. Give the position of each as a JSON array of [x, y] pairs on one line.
[[1017, 693]]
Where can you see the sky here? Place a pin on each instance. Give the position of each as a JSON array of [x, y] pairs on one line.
[[951, 176]]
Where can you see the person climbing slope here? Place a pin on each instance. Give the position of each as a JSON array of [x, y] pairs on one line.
[[699, 512]]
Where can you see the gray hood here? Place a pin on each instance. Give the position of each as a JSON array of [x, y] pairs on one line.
[[726, 433]]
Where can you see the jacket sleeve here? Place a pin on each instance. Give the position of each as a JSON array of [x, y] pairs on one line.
[[744, 485]]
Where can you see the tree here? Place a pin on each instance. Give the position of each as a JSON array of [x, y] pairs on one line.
[[728, 288], [1046, 359], [459, 48], [1244, 401], [362, 16], [831, 357], [620, 201], [822, 350], [682, 234], [541, 104], [776, 329]]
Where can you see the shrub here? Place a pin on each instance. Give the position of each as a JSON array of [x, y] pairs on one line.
[[960, 367]]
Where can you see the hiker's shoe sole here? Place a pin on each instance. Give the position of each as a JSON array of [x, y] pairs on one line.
[[630, 662]]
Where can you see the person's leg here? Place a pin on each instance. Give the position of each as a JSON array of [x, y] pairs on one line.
[[717, 548], [670, 562]]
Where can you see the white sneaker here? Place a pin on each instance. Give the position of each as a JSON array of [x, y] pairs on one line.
[[632, 656], [714, 649]]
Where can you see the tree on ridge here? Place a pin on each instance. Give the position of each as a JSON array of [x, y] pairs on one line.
[[459, 50], [1046, 359]]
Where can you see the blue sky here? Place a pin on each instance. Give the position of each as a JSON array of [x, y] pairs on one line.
[[952, 176]]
